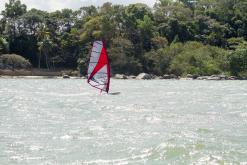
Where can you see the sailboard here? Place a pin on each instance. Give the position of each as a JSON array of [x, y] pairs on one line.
[[99, 67]]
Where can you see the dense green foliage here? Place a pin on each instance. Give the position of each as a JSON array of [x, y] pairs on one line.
[[199, 59], [201, 37], [13, 61]]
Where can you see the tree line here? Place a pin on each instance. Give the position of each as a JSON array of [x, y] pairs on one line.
[[201, 37]]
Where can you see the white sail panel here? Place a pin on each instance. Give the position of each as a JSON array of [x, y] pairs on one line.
[[95, 54]]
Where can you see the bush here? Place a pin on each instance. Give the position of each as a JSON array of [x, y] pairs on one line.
[[199, 59], [238, 62], [13, 61]]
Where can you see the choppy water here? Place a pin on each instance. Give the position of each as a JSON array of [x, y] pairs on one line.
[[150, 122]]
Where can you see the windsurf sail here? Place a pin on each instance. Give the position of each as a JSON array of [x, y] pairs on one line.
[[99, 67]]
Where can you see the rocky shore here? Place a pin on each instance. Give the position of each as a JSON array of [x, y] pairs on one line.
[[69, 74], [146, 76]]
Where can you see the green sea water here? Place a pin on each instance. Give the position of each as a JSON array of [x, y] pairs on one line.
[[56, 121]]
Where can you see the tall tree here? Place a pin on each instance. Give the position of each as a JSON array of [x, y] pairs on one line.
[[13, 10]]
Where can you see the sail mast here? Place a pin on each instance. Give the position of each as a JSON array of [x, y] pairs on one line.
[[108, 67]]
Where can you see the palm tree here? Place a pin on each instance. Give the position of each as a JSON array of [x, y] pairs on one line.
[[45, 45]]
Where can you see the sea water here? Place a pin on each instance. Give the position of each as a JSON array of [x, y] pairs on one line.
[[57, 121]]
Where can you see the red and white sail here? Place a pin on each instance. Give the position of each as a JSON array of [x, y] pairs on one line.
[[99, 67]]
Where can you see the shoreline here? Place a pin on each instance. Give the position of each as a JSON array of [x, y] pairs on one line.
[[73, 74], [76, 77], [38, 77]]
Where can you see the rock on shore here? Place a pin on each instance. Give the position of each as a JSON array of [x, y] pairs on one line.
[[217, 77], [66, 76], [120, 76], [170, 76], [144, 76]]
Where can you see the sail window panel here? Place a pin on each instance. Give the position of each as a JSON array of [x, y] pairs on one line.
[[100, 79]]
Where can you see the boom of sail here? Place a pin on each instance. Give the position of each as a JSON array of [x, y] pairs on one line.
[[99, 67]]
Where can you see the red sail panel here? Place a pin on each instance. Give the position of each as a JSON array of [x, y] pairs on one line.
[[99, 67]]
